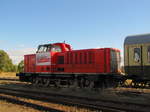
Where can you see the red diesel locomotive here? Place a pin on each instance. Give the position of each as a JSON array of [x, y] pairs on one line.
[[57, 64]]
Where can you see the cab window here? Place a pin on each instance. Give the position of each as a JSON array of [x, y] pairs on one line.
[[43, 48], [40, 49], [148, 54], [56, 49], [137, 54]]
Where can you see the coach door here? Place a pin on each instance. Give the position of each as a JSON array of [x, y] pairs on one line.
[[146, 60], [135, 59]]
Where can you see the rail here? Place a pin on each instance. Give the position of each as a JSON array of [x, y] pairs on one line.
[[93, 104]]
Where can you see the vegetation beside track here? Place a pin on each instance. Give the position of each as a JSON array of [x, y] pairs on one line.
[[8, 75], [6, 64]]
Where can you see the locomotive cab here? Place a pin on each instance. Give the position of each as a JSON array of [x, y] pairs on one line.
[[46, 56]]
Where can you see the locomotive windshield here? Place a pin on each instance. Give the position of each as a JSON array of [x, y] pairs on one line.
[[44, 48], [49, 47]]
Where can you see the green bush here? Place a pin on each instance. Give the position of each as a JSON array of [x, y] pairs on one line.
[[21, 66], [6, 64]]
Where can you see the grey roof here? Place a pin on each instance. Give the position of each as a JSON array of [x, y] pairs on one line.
[[137, 39]]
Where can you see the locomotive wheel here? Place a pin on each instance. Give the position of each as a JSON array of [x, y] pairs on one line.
[[75, 84], [92, 85], [69, 83], [87, 83], [36, 81], [46, 82], [39, 81], [33, 81], [57, 84], [82, 83]]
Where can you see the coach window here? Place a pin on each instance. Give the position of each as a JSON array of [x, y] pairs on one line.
[[148, 54], [137, 54]]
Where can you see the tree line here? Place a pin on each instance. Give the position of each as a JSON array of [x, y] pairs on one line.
[[6, 64]]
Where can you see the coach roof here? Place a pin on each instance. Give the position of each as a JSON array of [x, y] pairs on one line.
[[137, 39]]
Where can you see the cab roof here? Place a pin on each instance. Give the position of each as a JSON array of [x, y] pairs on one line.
[[137, 39]]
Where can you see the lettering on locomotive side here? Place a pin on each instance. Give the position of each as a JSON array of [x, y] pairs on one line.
[[43, 58]]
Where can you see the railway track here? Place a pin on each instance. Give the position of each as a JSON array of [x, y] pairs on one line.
[[9, 79], [93, 104], [27, 104]]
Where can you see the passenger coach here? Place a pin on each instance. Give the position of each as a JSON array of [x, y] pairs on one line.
[[137, 57]]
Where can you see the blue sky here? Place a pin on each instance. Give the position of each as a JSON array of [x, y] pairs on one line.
[[24, 24]]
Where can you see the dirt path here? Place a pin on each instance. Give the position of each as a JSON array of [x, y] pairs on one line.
[[9, 107]]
